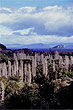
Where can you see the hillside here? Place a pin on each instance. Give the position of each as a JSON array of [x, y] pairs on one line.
[[2, 47]]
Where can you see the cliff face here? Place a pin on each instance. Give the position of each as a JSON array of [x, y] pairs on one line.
[[2, 47]]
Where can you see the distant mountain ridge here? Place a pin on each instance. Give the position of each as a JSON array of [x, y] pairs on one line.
[[29, 46], [40, 46], [37, 46]]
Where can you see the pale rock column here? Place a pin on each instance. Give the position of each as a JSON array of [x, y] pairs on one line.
[[0, 70], [15, 64], [21, 68], [56, 55], [17, 67], [25, 72], [38, 60], [43, 63], [35, 62], [29, 74], [66, 62], [61, 62], [46, 67], [54, 69], [18, 56], [33, 66], [28, 57], [25, 56], [12, 70], [42, 58], [2, 86], [15, 56], [5, 70], [14, 67], [51, 58], [70, 64], [71, 58], [9, 68]]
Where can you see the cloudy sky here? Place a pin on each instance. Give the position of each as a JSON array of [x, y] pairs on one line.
[[36, 21]]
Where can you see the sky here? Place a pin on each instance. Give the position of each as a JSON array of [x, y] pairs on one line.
[[36, 21]]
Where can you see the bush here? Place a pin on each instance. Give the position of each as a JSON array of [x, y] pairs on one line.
[[25, 98]]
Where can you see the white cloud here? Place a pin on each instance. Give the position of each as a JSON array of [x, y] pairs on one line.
[[52, 16], [48, 24], [5, 10], [24, 31], [35, 39], [5, 31], [51, 7], [26, 10]]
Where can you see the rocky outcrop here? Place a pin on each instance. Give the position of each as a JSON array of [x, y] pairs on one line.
[[2, 47]]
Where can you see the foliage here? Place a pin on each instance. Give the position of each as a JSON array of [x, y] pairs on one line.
[[34, 96], [45, 88], [15, 77], [27, 97], [63, 99]]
